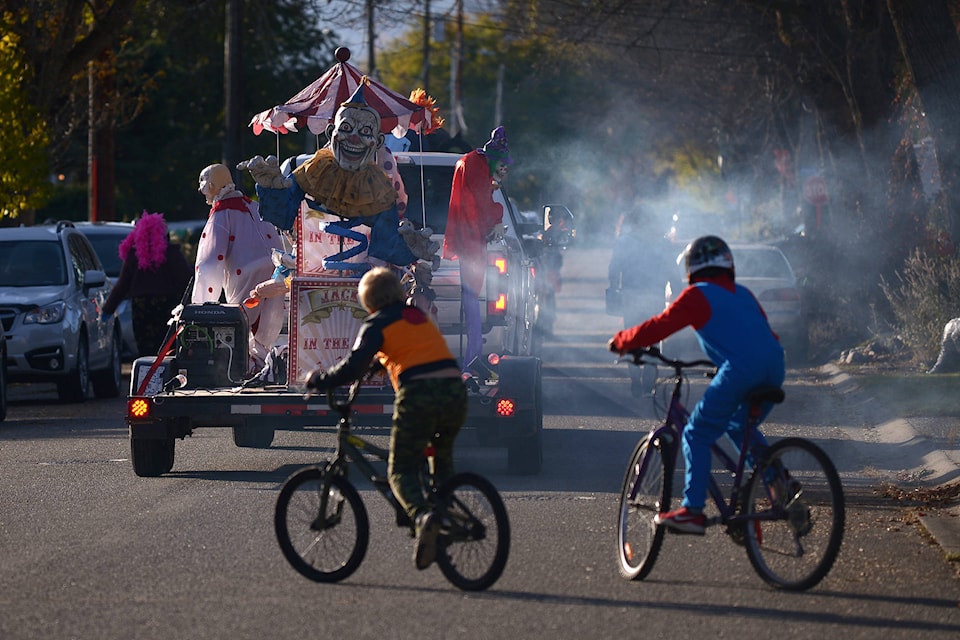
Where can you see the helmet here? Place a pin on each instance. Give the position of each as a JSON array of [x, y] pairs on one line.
[[557, 226], [705, 252], [557, 217]]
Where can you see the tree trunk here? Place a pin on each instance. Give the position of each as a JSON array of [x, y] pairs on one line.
[[931, 48]]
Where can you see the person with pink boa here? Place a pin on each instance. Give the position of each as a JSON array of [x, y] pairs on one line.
[[154, 276]]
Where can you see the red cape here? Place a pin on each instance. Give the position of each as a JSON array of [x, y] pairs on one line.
[[473, 214]]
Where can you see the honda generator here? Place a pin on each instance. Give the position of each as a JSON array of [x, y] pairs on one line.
[[211, 350]]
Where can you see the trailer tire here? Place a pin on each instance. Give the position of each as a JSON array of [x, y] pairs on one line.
[[521, 377], [151, 457], [252, 437]]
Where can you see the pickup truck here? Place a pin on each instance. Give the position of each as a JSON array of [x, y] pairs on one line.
[[504, 389]]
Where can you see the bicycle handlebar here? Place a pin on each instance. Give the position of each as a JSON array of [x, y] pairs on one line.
[[333, 402], [637, 357]]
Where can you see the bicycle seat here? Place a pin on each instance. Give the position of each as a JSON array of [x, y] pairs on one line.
[[766, 394]]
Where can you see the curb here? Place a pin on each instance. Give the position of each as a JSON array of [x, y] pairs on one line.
[[926, 465]]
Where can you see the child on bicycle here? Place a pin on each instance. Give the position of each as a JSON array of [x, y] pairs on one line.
[[431, 399], [734, 333]]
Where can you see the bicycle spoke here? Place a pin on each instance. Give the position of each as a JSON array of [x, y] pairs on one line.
[[322, 546], [474, 536], [645, 492], [797, 500]]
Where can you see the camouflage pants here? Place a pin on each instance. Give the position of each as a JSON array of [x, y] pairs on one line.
[[424, 410]]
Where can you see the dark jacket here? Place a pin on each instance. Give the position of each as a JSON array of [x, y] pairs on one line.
[[169, 279]]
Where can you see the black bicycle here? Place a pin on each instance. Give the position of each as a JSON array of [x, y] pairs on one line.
[[323, 528], [788, 512]]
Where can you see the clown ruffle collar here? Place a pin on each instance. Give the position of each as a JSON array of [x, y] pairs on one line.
[[350, 194]]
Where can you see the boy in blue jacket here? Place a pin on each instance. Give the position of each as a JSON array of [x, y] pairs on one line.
[[734, 333]]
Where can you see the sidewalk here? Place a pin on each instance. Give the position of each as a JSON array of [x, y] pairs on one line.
[[920, 452]]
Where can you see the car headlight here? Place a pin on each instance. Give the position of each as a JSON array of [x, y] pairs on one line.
[[49, 314]]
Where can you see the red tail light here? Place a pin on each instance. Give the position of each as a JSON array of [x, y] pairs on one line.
[[138, 408], [497, 307], [496, 288], [505, 407]]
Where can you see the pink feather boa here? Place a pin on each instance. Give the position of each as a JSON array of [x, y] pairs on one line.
[[149, 239]]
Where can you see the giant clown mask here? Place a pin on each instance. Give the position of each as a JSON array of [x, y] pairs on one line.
[[355, 136]]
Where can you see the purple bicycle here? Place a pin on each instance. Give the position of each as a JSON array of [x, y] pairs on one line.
[[783, 502]]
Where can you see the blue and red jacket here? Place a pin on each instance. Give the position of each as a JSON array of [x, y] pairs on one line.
[[728, 320]]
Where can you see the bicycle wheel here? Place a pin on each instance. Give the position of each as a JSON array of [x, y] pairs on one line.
[[474, 539], [638, 538], [324, 547], [796, 494]]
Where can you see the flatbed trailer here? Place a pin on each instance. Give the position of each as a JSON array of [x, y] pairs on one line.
[[504, 410]]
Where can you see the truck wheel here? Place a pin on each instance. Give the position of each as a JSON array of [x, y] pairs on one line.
[[253, 437], [151, 457], [521, 378], [525, 454], [488, 435]]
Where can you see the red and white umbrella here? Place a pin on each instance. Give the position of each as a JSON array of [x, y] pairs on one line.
[[316, 104]]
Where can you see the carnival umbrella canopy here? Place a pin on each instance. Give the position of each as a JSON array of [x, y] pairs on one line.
[[316, 104]]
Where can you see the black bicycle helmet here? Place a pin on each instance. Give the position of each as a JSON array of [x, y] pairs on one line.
[[706, 252]]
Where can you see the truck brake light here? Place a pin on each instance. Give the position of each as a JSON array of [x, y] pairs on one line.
[[498, 306], [498, 278]]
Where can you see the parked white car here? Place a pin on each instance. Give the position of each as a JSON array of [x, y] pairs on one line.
[[765, 270]]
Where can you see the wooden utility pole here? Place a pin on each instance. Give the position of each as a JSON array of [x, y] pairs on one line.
[[426, 46], [232, 84], [456, 122], [371, 38], [101, 177]]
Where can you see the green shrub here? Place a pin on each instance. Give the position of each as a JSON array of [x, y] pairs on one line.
[[924, 297]]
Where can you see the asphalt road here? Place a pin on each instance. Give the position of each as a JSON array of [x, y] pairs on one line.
[[89, 550]]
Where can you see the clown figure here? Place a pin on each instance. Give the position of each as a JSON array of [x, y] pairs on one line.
[[234, 255], [344, 179], [474, 219]]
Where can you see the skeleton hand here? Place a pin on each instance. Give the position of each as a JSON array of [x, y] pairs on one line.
[[496, 234], [266, 172]]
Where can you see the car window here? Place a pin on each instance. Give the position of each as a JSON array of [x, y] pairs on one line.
[[83, 256], [761, 264], [31, 263], [107, 246], [437, 182]]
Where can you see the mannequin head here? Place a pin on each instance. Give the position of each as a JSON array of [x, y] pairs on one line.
[[215, 180]]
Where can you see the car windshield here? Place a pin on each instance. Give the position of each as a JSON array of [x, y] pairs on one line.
[[436, 190], [31, 263], [762, 263], [438, 182], [107, 246]]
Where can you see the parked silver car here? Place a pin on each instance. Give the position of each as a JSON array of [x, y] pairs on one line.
[[52, 287], [765, 270], [106, 238]]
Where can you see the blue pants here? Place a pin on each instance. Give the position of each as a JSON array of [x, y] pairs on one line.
[[471, 319], [722, 411]]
